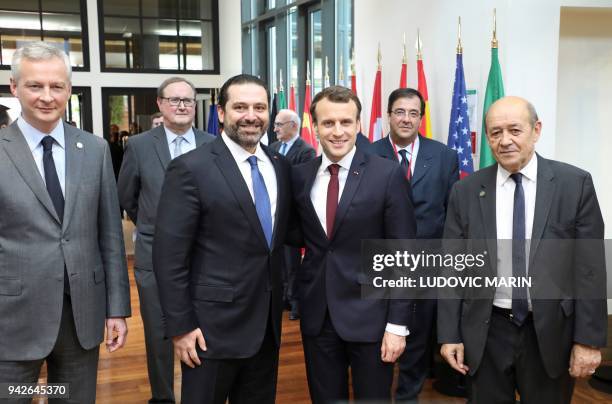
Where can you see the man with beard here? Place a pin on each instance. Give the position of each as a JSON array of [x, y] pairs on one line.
[[218, 254]]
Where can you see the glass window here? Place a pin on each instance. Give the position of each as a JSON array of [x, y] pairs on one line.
[[162, 35], [54, 21], [292, 50], [272, 70], [316, 51], [344, 39]]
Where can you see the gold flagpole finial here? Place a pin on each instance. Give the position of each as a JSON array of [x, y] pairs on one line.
[[419, 45], [379, 58], [353, 62], [459, 45], [404, 55], [308, 72], [494, 43]]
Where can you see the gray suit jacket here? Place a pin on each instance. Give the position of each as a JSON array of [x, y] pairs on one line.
[[140, 182], [299, 153], [35, 247], [566, 251]]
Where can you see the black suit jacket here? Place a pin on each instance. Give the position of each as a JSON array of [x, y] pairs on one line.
[[300, 151], [435, 172], [566, 210], [140, 182], [213, 265], [375, 204], [363, 144]]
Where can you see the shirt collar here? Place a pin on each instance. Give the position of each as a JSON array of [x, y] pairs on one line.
[[239, 154], [345, 162], [408, 148], [188, 136], [530, 171], [33, 136], [292, 140]]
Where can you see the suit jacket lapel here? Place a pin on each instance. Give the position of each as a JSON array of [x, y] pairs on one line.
[[352, 183], [310, 179], [19, 152], [487, 201], [281, 189], [545, 189], [229, 169], [423, 161], [199, 138], [161, 146], [294, 149], [74, 162], [388, 151]]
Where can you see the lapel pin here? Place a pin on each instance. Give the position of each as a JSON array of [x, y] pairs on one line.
[[356, 172], [275, 157], [482, 194], [79, 145]]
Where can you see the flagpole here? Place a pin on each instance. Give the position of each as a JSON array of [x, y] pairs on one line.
[[459, 46]]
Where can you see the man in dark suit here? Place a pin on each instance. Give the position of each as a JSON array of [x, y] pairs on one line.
[[140, 182], [290, 145], [432, 169], [525, 338], [344, 197], [63, 273], [218, 254]]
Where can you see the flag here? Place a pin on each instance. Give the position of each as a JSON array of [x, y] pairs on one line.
[[425, 128], [459, 135], [273, 112], [307, 132], [376, 124], [213, 119], [403, 81], [292, 105], [495, 91], [354, 83], [282, 101]]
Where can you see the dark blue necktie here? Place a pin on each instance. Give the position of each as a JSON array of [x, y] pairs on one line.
[[262, 200], [520, 307], [51, 178]]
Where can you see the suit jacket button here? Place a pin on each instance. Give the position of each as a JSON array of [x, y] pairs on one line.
[[486, 321]]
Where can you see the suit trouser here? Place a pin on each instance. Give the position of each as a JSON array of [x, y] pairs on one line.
[[242, 381], [415, 362], [512, 361], [160, 352], [67, 363], [328, 358], [292, 263]]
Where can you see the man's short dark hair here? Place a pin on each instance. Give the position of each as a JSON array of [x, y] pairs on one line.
[[337, 94], [155, 116], [237, 80], [405, 93], [172, 80]]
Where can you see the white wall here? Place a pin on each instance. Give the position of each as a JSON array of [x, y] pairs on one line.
[[229, 49]]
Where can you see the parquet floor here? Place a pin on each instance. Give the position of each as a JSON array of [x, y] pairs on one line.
[[122, 376]]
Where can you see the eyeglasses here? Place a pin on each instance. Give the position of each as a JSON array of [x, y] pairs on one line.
[[175, 101], [402, 113], [279, 124]]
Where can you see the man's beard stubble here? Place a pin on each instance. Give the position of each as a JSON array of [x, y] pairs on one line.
[[246, 141]]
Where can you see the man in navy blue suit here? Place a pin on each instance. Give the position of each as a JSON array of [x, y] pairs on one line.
[[343, 197], [432, 170]]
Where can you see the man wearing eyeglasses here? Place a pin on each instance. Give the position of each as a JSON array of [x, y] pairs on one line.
[[297, 151], [432, 169], [140, 182]]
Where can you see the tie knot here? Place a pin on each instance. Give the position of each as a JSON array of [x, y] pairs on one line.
[[47, 143], [403, 153], [179, 139], [333, 169], [252, 161], [517, 177]]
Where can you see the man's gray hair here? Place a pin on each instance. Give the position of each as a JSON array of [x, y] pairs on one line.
[[38, 51], [293, 116], [172, 80]]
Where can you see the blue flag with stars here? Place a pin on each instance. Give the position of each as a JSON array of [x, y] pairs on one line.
[[459, 135]]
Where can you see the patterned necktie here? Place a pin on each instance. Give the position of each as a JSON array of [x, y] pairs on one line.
[[520, 307], [51, 179], [262, 200], [405, 163], [177, 146], [333, 189], [283, 149]]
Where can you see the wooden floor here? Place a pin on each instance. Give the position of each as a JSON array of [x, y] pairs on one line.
[[122, 376]]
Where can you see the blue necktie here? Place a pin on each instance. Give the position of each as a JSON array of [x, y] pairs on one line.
[[262, 200], [283, 149], [177, 146], [520, 306], [51, 179]]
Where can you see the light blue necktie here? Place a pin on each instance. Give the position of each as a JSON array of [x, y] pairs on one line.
[[283, 149], [262, 200], [177, 146]]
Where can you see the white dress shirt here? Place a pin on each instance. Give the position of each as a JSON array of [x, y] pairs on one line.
[[265, 168], [318, 196], [34, 137], [187, 145], [504, 210], [410, 151]]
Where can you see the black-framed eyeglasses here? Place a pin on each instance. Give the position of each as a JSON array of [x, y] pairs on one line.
[[175, 101], [401, 113], [279, 124]]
